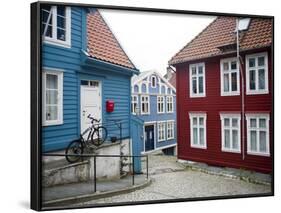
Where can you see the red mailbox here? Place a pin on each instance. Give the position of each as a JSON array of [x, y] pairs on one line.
[[109, 106]]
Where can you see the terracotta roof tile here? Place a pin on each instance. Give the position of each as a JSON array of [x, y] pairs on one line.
[[221, 33], [102, 43]]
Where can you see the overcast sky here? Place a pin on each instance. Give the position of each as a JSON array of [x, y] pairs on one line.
[[151, 39]]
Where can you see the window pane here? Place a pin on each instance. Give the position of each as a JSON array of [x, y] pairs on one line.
[[262, 141], [233, 65], [261, 61], [200, 69], [226, 138], [262, 123], [226, 122], [261, 79], [194, 85], [225, 66], [234, 139], [201, 84], [51, 97], [225, 82], [253, 140], [194, 121], [201, 121], [252, 79], [253, 122], [201, 136], [61, 34], [49, 30], [51, 113], [61, 22], [234, 81], [195, 139], [234, 122], [252, 62], [193, 70], [45, 15], [51, 81], [61, 10]]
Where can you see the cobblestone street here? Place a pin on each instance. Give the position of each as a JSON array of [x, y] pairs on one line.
[[171, 180]]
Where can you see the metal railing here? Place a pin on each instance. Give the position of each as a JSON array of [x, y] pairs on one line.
[[104, 156]]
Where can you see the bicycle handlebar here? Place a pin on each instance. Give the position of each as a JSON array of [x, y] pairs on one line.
[[93, 119]]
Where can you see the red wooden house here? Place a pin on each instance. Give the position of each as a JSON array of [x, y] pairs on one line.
[[214, 110]]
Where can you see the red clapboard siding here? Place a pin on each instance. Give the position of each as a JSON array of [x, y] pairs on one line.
[[213, 104]]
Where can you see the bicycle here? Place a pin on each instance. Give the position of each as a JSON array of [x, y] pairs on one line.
[[97, 134]]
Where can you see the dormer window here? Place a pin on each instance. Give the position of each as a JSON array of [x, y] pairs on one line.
[[243, 24], [56, 25], [153, 81]]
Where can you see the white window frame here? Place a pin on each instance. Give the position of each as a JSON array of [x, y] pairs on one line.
[[153, 77], [59, 73], [145, 102], [258, 116], [256, 68], [230, 128], [197, 75], [230, 92], [133, 102], [170, 101], [53, 39], [198, 115], [171, 128], [161, 124], [160, 100]]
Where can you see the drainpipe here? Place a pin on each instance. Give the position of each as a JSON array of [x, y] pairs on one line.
[[242, 90]]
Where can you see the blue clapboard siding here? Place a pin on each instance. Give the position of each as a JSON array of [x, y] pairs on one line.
[[67, 59], [115, 86], [140, 88]]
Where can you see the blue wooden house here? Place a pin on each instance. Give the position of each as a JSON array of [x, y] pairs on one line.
[[83, 67], [154, 101]]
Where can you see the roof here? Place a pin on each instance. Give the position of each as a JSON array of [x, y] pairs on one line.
[[220, 33], [102, 44]]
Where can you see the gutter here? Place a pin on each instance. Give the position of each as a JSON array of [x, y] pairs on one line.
[[87, 60]]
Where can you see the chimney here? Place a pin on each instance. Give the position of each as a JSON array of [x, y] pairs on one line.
[[169, 73]]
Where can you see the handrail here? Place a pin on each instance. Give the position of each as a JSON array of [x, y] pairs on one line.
[[95, 162]]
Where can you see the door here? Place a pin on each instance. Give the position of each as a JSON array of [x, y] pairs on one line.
[[90, 103], [149, 137]]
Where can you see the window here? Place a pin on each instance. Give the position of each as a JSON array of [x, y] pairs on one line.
[[258, 134], [160, 104], [243, 24], [230, 77], [197, 80], [170, 130], [52, 98], [145, 109], [56, 25], [161, 131], [170, 104], [153, 81], [198, 130], [230, 132], [134, 104], [257, 73]]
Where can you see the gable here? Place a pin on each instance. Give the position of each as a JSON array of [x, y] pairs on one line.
[[102, 44], [143, 84]]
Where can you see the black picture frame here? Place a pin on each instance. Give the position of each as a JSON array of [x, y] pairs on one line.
[[36, 100]]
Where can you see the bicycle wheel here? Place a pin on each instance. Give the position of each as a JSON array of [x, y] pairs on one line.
[[99, 136], [75, 147]]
